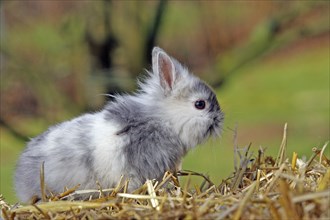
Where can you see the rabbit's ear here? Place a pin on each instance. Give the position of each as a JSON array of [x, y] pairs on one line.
[[163, 65]]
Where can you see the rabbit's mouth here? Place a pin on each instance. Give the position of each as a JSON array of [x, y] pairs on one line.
[[215, 127], [213, 130]]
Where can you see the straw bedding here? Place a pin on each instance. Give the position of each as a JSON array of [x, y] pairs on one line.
[[261, 187]]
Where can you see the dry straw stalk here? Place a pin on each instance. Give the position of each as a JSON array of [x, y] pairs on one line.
[[264, 188]]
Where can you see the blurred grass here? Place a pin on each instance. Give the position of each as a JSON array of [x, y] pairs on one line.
[[10, 149]]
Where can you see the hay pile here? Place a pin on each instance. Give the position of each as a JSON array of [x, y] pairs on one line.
[[260, 188]]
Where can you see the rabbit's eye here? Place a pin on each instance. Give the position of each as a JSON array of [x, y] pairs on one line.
[[200, 104]]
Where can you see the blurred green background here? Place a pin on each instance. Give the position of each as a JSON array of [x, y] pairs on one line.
[[267, 60]]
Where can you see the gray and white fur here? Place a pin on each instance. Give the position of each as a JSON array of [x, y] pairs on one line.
[[139, 136]]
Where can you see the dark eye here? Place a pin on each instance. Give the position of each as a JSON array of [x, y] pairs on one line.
[[200, 104]]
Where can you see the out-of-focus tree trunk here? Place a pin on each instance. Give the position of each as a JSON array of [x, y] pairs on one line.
[[102, 51], [154, 30]]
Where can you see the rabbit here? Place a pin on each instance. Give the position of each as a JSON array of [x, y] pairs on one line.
[[138, 136]]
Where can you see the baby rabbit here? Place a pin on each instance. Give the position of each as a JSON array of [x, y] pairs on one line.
[[138, 136]]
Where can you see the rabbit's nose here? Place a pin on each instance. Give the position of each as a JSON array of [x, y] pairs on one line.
[[214, 107], [216, 120]]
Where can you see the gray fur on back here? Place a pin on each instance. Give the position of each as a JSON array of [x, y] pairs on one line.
[[152, 147]]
